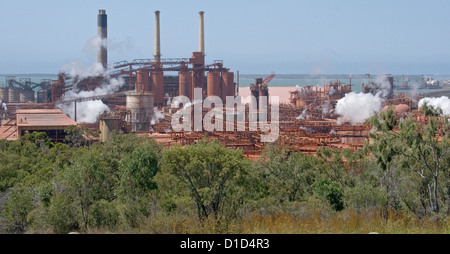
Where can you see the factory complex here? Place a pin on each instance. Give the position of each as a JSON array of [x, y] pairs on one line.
[[141, 97]]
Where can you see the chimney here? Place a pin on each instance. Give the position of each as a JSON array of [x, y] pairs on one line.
[[201, 43], [102, 32], [157, 54]]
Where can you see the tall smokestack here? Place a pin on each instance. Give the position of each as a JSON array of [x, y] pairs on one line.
[[201, 42], [157, 38], [102, 32]]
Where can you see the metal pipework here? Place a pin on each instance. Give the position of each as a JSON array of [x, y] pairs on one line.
[[201, 43], [157, 54], [102, 32]]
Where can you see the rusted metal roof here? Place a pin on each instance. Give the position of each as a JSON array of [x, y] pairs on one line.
[[42, 118], [39, 111]]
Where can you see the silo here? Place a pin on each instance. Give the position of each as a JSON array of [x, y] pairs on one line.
[[184, 83], [227, 84], [26, 95], [140, 105], [107, 126], [4, 93], [14, 94], [157, 79], [213, 84], [143, 80]]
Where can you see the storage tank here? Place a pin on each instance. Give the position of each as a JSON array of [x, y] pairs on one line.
[[4, 93], [227, 84], [140, 105], [213, 84], [43, 96], [185, 83], [14, 94], [157, 79], [26, 95], [143, 80]]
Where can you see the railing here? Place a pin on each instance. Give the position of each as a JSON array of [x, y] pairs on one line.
[[166, 61]]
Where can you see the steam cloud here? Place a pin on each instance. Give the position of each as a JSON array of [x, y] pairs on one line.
[[441, 102], [120, 46], [303, 115], [80, 70], [88, 111], [3, 105], [357, 107], [157, 116]]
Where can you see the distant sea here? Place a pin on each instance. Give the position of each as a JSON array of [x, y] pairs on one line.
[[323, 79], [280, 80]]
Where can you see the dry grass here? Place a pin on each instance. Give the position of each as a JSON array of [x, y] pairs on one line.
[[346, 222]]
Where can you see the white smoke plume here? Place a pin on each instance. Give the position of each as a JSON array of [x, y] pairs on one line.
[[80, 70], [87, 111], [303, 115], [3, 105], [441, 102], [331, 92], [306, 129], [93, 44], [121, 46], [357, 107], [157, 116], [107, 88], [383, 82]]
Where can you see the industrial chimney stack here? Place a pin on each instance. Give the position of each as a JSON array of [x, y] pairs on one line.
[[157, 39], [201, 43], [102, 32]]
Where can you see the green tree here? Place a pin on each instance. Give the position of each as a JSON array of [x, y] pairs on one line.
[[137, 169], [61, 214], [87, 180], [423, 148], [136, 181], [331, 191], [213, 174], [16, 209], [289, 176], [79, 136]]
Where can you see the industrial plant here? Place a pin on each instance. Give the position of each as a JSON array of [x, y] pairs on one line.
[[138, 95]]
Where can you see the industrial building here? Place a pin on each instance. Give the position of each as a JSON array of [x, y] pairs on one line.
[[306, 124], [145, 84]]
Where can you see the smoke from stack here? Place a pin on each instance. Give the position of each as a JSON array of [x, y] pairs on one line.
[[89, 111], [80, 70]]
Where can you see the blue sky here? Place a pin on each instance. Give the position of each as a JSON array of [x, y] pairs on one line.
[[319, 37]]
